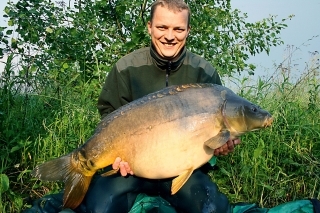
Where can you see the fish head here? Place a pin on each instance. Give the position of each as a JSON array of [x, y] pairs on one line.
[[241, 116]]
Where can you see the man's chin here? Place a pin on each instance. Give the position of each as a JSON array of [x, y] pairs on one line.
[[167, 55]]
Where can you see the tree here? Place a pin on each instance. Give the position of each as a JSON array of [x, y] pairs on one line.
[[52, 37]]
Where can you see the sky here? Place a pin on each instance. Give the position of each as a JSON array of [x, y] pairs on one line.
[[301, 28], [304, 26]]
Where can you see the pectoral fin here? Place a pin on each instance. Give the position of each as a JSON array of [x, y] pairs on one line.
[[218, 140], [111, 172], [76, 186], [179, 181]]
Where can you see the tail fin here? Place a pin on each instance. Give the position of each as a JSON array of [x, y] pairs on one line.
[[61, 169]]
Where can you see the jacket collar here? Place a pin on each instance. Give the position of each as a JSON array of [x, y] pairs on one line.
[[163, 63]]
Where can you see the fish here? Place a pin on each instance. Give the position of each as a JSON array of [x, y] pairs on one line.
[[176, 128]]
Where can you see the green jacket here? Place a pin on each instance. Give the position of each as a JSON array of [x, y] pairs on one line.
[[144, 71]]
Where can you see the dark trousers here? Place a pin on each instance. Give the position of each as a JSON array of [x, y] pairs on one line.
[[117, 194]]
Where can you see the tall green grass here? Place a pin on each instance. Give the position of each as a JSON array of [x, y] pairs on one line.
[[281, 163], [37, 126], [269, 167]]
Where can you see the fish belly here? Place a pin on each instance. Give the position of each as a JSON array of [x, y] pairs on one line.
[[168, 149]]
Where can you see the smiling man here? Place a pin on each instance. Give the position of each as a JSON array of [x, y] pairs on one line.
[[169, 31], [166, 62]]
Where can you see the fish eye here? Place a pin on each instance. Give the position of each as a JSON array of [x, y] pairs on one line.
[[254, 109]]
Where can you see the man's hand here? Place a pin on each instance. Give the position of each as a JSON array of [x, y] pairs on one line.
[[227, 147], [122, 166]]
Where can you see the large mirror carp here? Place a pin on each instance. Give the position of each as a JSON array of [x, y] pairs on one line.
[[176, 129]]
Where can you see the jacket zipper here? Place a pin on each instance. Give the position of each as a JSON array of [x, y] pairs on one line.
[[168, 71]]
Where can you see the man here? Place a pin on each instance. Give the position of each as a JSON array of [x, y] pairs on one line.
[[166, 62]]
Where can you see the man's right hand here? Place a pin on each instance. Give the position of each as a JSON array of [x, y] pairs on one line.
[[122, 166], [227, 147]]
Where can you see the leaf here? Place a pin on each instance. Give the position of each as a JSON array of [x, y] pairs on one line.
[[65, 65], [6, 9], [14, 43], [224, 171], [10, 23], [9, 32], [15, 148], [257, 152], [49, 30], [4, 183], [267, 186]]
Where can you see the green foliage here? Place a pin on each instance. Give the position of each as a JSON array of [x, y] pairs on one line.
[[223, 36], [36, 128], [91, 33], [4, 183], [39, 124]]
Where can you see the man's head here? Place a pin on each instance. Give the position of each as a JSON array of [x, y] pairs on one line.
[[169, 27]]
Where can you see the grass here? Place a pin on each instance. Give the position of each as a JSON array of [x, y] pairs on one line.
[[272, 166], [281, 163]]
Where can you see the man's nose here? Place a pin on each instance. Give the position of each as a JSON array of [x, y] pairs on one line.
[[169, 35]]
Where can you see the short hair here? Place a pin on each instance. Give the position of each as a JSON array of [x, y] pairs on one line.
[[173, 5]]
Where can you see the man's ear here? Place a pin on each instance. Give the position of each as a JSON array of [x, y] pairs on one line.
[[189, 28], [149, 25]]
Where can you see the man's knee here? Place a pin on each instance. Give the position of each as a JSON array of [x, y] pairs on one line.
[[110, 194], [201, 195]]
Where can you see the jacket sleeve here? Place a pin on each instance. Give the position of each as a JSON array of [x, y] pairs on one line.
[[215, 77], [211, 75], [114, 94]]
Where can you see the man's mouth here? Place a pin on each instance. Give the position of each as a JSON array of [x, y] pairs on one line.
[[168, 44]]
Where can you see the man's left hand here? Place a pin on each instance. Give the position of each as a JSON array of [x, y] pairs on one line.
[[122, 166]]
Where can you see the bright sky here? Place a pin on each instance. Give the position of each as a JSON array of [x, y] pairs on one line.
[[301, 28]]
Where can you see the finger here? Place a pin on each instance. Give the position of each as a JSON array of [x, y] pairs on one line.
[[236, 141], [218, 151], [116, 163], [225, 152], [225, 147], [123, 170], [230, 145], [127, 167]]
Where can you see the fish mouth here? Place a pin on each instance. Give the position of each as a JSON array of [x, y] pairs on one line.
[[268, 121]]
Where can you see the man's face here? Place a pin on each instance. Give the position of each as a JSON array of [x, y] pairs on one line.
[[169, 31]]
